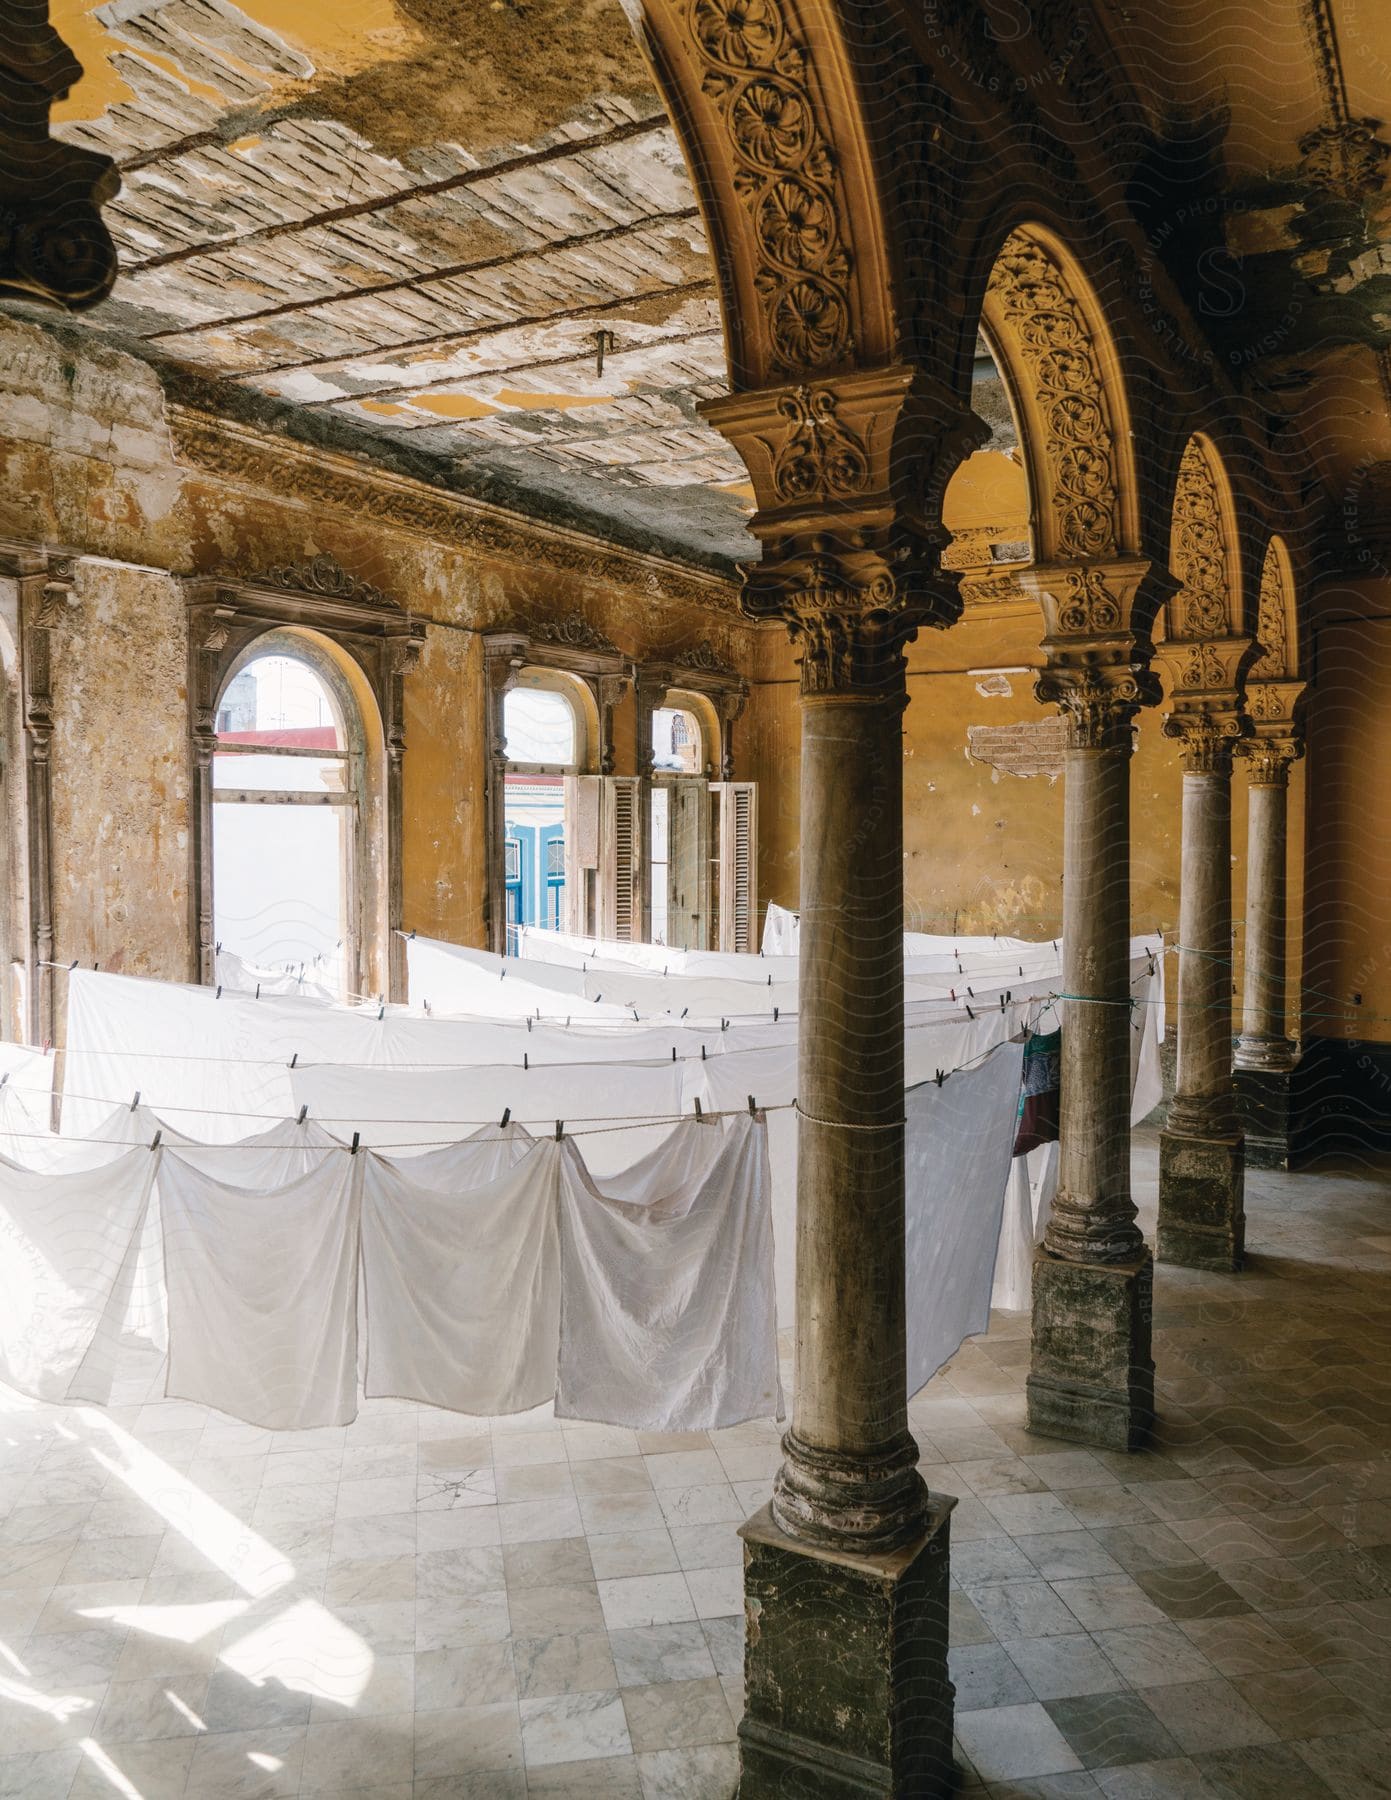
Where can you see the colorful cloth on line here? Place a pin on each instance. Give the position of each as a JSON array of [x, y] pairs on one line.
[[1039, 1092]]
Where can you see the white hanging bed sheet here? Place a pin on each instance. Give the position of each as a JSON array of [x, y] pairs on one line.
[[262, 1287], [69, 1248], [612, 1105], [668, 1318], [461, 1263]]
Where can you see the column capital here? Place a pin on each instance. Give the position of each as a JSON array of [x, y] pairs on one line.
[[1268, 758], [1206, 712], [1096, 646], [848, 474]]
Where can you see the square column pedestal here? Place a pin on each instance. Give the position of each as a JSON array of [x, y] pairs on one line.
[[1091, 1373], [845, 1668], [1267, 1101], [1202, 1217]]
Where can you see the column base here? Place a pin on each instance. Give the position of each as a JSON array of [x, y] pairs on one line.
[[845, 1668], [1202, 1220], [1267, 1103], [1091, 1376]]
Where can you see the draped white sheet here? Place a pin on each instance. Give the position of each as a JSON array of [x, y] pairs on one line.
[[607, 1103], [69, 1244], [667, 1308], [452, 979], [461, 1260], [958, 1149], [26, 1096], [559, 947], [262, 1286]]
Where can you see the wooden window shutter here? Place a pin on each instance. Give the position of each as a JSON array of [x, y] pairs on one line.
[[620, 861], [738, 864]]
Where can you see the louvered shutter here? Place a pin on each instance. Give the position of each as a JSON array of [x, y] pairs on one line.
[[620, 865], [738, 864]]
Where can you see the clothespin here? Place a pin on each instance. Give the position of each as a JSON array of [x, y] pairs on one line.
[[1002, 1002], [294, 1059], [357, 1139], [684, 1011], [218, 994], [381, 1010], [258, 990], [136, 1101], [559, 1130], [303, 1113], [700, 1116], [526, 1061], [635, 1012], [598, 998], [770, 978], [941, 1076], [775, 1015], [217, 950], [154, 1141], [673, 1053], [702, 1053], [753, 1105], [506, 1116], [426, 1005], [953, 993], [502, 973], [1021, 968], [970, 990], [528, 1021], [4, 1078], [969, 1013], [72, 965], [412, 937]]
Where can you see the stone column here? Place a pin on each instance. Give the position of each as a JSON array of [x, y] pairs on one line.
[[1091, 1376], [1266, 1056], [1202, 1222], [845, 1571], [1263, 1043]]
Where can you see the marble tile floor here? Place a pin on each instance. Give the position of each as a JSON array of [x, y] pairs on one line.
[[423, 1605]]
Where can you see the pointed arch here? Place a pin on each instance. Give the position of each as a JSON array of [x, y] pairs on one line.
[[1055, 350]]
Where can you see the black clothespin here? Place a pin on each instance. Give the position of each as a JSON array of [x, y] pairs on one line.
[[684, 1011], [724, 1024], [136, 1101], [412, 937], [775, 1015], [528, 1021], [770, 978], [357, 1139], [155, 1140], [526, 1061], [72, 965], [700, 1116], [502, 973], [753, 1106], [303, 1113], [258, 990], [941, 1076], [506, 1116], [1002, 1002], [673, 1053], [597, 999], [294, 1059], [969, 1013], [381, 1010], [218, 994], [952, 992], [970, 990], [1021, 968], [559, 1130]]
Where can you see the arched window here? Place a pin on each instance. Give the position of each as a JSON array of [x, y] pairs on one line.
[[286, 790], [678, 743], [544, 742]]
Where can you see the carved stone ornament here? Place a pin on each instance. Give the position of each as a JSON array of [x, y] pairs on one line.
[[1206, 711], [702, 660], [572, 633], [1030, 294], [1348, 159], [325, 576], [1268, 759], [755, 73], [1274, 706], [1200, 556], [1098, 704], [57, 603], [818, 457], [1272, 623]]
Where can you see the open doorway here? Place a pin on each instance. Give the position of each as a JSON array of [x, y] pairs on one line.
[[681, 830], [285, 793], [542, 748]]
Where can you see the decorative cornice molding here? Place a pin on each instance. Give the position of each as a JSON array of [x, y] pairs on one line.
[[702, 660], [329, 480], [1347, 159], [323, 575], [574, 632]]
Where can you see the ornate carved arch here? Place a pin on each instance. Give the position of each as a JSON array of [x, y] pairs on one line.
[[766, 98], [1277, 630], [1053, 346], [1203, 554]]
